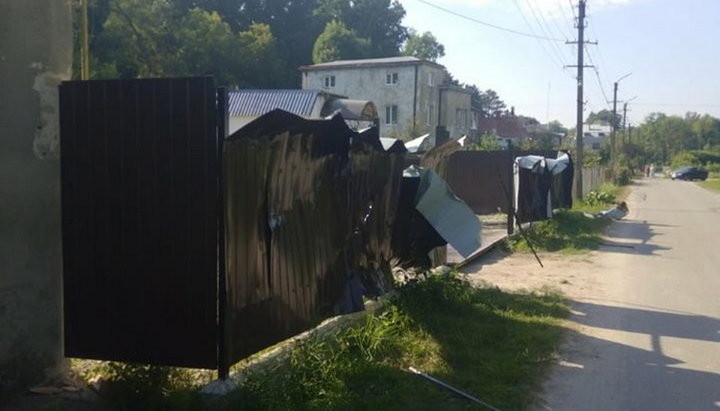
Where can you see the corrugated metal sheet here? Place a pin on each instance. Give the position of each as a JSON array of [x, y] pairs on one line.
[[139, 172], [258, 102], [483, 179], [297, 197]]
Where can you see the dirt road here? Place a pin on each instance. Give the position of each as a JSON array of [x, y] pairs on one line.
[[645, 328]]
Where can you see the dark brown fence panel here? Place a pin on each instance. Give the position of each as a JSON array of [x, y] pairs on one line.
[[481, 178], [139, 199], [287, 227]]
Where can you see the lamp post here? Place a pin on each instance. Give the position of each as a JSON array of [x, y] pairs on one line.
[[625, 115], [613, 153]]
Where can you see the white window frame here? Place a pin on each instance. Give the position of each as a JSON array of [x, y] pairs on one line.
[[431, 79], [430, 115], [391, 114], [391, 79], [329, 81]]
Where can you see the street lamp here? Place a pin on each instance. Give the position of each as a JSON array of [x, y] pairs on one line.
[[613, 153], [625, 115]]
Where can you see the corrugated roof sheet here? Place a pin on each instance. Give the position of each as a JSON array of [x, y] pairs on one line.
[[259, 102]]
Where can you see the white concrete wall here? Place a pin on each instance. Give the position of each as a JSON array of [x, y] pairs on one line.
[[369, 83], [35, 55]]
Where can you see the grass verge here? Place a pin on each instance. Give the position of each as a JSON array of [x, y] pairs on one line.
[[571, 231], [711, 184], [492, 344]]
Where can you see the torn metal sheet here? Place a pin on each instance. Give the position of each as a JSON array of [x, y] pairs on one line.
[[418, 144], [448, 214], [538, 181]]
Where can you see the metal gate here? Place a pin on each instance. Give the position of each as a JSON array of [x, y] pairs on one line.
[[140, 190]]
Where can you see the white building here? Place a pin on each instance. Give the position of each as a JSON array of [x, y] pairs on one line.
[[594, 135], [410, 94]]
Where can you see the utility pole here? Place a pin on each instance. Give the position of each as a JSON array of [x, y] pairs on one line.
[[624, 118], [579, 123], [84, 43], [613, 123]]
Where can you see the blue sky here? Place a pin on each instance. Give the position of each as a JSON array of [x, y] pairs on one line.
[[671, 47]]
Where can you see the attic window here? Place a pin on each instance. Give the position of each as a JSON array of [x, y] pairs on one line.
[[391, 78], [329, 81]]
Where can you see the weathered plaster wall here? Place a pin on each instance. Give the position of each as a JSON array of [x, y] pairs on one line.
[[35, 54]]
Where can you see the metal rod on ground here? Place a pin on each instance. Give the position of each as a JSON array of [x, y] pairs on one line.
[[453, 389]]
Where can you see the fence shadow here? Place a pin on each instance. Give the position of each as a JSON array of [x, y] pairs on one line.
[[603, 374]]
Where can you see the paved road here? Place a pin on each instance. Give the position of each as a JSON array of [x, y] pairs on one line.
[[649, 337]]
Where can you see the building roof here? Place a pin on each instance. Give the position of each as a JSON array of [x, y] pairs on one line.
[[378, 62], [258, 102]]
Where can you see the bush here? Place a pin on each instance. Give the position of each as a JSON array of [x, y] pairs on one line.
[[598, 197]]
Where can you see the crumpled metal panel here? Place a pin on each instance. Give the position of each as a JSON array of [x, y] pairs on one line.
[[305, 211], [535, 181]]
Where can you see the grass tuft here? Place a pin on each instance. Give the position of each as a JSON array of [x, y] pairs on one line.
[[490, 343]]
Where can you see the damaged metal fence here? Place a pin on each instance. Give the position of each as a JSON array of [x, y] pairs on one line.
[[184, 248]]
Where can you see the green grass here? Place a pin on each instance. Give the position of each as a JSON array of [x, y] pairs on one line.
[[492, 344], [711, 184], [571, 231]]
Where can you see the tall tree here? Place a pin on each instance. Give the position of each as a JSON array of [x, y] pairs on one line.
[[423, 46], [337, 42], [379, 21], [604, 117], [487, 102]]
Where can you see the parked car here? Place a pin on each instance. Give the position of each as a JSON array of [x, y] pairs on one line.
[[689, 173]]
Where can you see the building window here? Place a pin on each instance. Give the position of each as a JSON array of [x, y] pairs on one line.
[[391, 114], [431, 79], [391, 78], [430, 114], [329, 81], [461, 118]]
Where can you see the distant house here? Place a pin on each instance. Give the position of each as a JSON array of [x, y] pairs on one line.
[[594, 135], [246, 105], [410, 93]]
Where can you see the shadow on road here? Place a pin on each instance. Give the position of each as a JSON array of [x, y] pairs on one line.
[[640, 378], [631, 237]]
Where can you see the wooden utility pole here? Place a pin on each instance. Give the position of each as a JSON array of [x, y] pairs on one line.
[[613, 124], [84, 42], [579, 146]]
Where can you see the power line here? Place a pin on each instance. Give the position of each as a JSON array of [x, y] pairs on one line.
[[545, 31], [597, 75], [474, 20], [527, 23]]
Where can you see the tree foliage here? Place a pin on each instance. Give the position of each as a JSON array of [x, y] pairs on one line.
[[604, 117], [423, 46], [338, 42], [487, 102], [251, 43], [378, 21]]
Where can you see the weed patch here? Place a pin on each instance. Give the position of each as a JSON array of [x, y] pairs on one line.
[[569, 231], [493, 344], [711, 184]]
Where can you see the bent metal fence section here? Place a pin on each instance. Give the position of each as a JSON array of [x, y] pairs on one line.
[[483, 179], [306, 211], [139, 219]]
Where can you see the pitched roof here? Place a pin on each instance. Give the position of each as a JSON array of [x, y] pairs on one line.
[[385, 61], [259, 102]]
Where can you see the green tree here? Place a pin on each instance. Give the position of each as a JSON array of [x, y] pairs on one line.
[[378, 21], [423, 46], [604, 117], [337, 42], [487, 102]]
